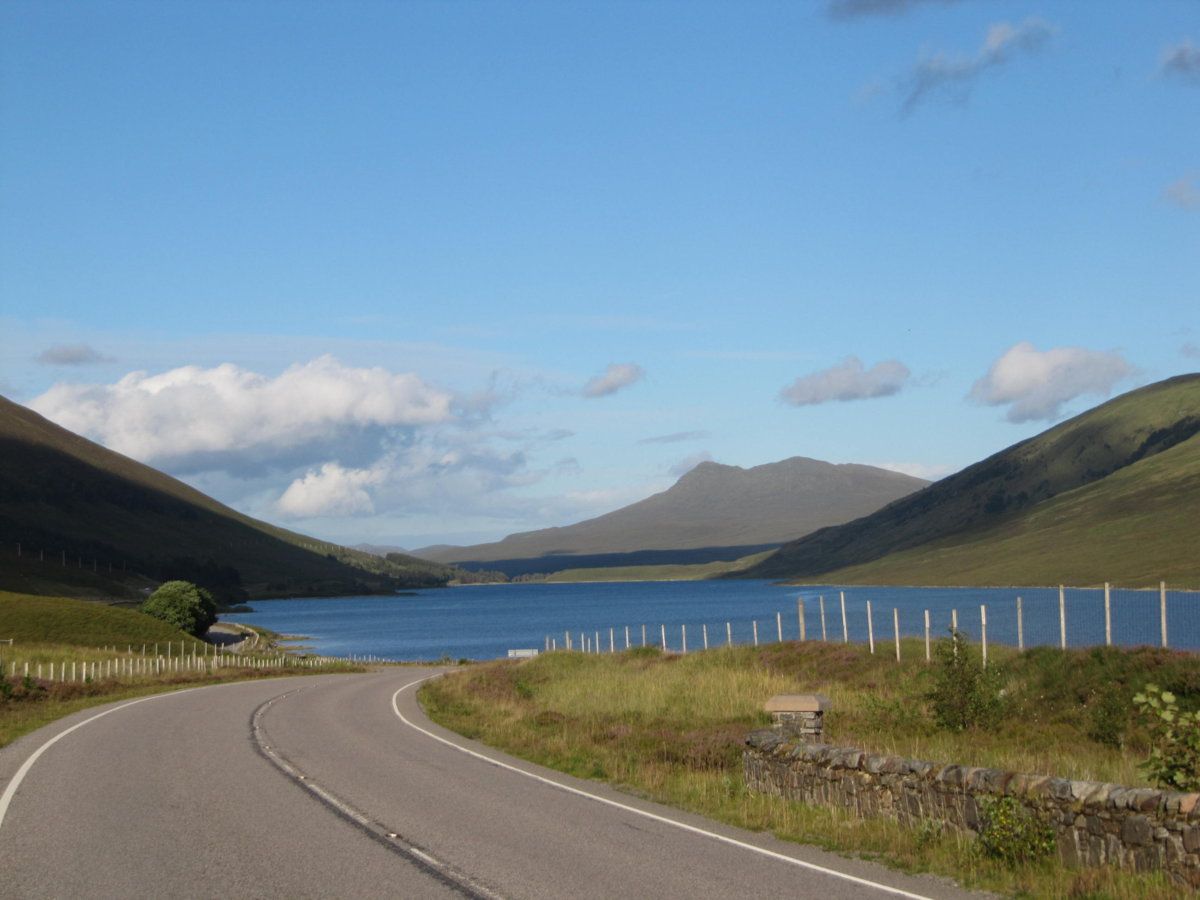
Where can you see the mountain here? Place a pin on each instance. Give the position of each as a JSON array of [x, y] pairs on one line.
[[91, 522], [1110, 495], [713, 512]]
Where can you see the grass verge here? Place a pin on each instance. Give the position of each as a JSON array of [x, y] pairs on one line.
[[670, 728]]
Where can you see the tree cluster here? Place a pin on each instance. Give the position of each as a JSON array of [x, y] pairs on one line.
[[182, 604]]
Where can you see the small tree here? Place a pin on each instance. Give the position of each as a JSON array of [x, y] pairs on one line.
[[964, 694], [1174, 761], [182, 604]]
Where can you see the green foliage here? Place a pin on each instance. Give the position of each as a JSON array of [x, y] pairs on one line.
[[1010, 833], [963, 694], [182, 604], [1174, 761], [1108, 718]]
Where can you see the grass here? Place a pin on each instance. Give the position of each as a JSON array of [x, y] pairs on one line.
[[49, 632], [671, 728]]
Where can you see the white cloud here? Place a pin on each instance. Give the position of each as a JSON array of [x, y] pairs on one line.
[[854, 9], [1034, 384], [194, 419], [848, 380], [330, 491], [1182, 61], [72, 355], [1183, 193], [956, 76], [613, 379], [675, 437]]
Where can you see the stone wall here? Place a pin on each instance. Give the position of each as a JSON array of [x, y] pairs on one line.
[[1095, 823]]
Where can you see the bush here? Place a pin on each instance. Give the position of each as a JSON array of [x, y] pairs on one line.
[[1010, 833], [1174, 761], [182, 604], [964, 694]]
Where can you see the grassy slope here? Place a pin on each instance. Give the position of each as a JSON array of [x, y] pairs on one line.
[[1024, 491], [1136, 527], [30, 619], [671, 727], [59, 491]]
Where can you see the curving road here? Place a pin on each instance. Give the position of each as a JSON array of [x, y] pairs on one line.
[[339, 786]]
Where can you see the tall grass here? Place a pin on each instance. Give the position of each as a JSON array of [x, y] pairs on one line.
[[671, 728]]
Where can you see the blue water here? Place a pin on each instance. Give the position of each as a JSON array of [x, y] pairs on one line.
[[485, 621]]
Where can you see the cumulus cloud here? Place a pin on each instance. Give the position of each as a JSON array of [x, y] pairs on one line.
[[192, 419], [613, 379], [1182, 61], [848, 380], [855, 9], [675, 437], [1183, 193], [330, 491], [72, 355], [1034, 384], [956, 77]]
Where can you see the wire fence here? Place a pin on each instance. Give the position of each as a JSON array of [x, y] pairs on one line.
[[883, 617]]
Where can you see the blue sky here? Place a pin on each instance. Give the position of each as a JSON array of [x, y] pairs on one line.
[[437, 272]]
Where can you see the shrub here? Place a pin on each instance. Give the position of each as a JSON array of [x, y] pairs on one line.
[[182, 604], [1174, 761], [964, 694], [1010, 833]]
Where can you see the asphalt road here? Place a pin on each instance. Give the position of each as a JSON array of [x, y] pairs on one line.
[[338, 786]]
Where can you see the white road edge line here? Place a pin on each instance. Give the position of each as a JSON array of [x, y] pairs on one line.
[[11, 790], [641, 812]]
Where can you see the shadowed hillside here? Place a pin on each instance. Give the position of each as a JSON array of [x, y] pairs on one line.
[[1111, 494], [123, 526]]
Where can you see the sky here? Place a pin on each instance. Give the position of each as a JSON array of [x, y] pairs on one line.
[[419, 273]]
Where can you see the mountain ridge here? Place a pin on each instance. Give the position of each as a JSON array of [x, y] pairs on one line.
[[711, 506]]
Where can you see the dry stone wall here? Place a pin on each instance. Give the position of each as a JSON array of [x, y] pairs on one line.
[[1096, 824]]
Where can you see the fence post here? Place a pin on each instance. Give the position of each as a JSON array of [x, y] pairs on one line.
[[612, 642], [845, 630], [822, 601], [896, 629], [1162, 610], [728, 635], [704, 632], [1062, 618], [756, 632], [626, 637], [1107, 616], [1020, 626], [926, 635], [800, 616], [779, 626], [870, 628], [683, 632], [643, 635], [664, 637], [983, 631]]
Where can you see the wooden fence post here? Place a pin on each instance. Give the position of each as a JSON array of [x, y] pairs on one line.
[[845, 630], [1107, 616], [800, 616], [1062, 618], [821, 599], [927, 657], [983, 631], [1020, 626], [896, 629], [870, 628], [1162, 610]]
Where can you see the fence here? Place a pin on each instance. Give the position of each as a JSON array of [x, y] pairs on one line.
[[1020, 618], [147, 664]]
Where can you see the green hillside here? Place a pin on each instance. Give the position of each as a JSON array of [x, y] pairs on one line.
[[121, 526], [27, 619], [1110, 495]]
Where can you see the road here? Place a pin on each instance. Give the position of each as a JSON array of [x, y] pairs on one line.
[[339, 786]]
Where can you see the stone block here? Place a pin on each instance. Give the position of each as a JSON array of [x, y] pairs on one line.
[[1138, 831]]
